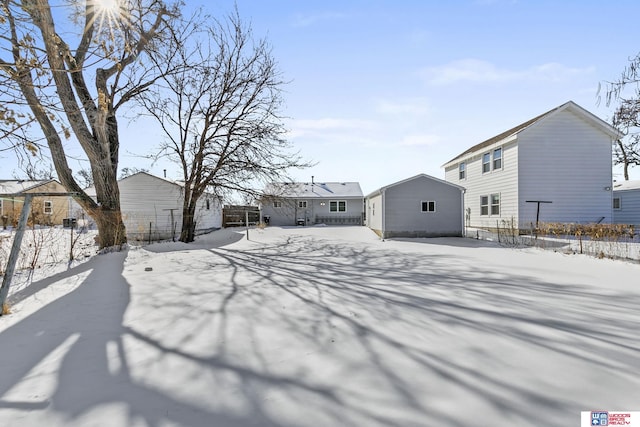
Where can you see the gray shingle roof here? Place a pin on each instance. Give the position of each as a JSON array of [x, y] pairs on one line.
[[316, 190]]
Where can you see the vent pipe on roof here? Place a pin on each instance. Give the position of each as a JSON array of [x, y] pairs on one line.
[[312, 179], [165, 173]]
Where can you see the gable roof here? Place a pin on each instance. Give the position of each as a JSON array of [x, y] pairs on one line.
[[147, 174], [17, 186], [314, 190], [421, 175], [626, 185], [570, 105]]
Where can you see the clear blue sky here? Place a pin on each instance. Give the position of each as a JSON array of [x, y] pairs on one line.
[[383, 90]]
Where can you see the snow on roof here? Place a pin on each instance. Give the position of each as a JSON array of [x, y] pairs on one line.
[[626, 185], [313, 190], [18, 186]]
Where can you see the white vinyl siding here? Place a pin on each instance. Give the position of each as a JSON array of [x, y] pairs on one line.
[[374, 212], [564, 158], [567, 161], [479, 184]]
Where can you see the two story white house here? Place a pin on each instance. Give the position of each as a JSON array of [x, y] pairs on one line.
[[308, 203], [556, 167]]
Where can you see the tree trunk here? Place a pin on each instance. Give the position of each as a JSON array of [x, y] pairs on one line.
[[188, 232], [111, 230]]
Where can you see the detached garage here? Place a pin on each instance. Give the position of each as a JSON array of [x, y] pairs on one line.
[[421, 206]]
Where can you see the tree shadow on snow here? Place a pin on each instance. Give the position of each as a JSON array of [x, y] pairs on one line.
[[70, 358], [410, 320], [307, 332]]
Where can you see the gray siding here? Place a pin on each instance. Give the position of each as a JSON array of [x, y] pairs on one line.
[[317, 211], [403, 215], [629, 212]]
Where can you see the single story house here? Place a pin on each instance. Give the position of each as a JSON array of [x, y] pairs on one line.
[[420, 206], [556, 167], [45, 210], [152, 208], [330, 203], [626, 202]]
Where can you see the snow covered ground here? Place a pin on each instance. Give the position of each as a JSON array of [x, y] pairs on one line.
[[322, 326]]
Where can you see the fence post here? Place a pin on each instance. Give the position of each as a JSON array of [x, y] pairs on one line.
[[15, 251]]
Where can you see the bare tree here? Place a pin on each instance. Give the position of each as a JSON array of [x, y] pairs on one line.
[[221, 115], [72, 73], [626, 91], [627, 120]]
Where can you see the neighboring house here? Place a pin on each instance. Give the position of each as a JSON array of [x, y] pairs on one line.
[[330, 203], [562, 159], [152, 208], [420, 206], [45, 210], [626, 202]]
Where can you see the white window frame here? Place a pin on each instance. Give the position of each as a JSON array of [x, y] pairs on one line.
[[47, 208], [302, 204], [462, 171], [486, 163], [335, 205], [494, 207], [430, 206], [497, 160], [619, 204], [484, 205], [277, 204]]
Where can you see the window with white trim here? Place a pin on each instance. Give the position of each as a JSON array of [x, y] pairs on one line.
[[495, 204], [48, 207], [302, 204], [484, 205], [277, 204], [462, 171], [616, 203], [337, 206], [486, 162], [428, 206], [497, 158]]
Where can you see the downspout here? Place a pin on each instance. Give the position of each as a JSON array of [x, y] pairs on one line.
[[464, 229], [383, 219]]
